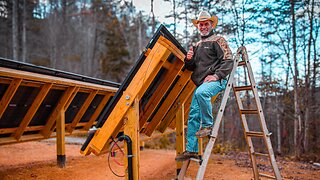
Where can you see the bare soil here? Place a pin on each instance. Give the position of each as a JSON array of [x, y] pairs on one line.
[[37, 160]]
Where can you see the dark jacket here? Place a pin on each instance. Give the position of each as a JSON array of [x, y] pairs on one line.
[[212, 55]]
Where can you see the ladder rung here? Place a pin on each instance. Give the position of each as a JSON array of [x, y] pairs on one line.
[[249, 111], [254, 134], [196, 160], [267, 176], [243, 88], [242, 63], [261, 154]]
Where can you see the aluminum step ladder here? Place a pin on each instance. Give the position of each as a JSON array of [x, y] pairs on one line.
[[263, 134]]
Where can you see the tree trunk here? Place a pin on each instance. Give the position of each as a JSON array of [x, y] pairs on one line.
[[153, 18], [307, 88], [297, 118], [174, 18], [279, 110], [15, 35], [24, 32]]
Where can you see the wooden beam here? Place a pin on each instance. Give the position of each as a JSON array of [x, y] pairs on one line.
[[168, 44], [29, 137], [8, 95], [97, 112], [82, 110], [160, 92], [32, 110], [137, 85], [131, 129], [7, 72], [74, 93], [12, 130], [7, 130], [170, 116], [60, 132], [165, 107], [180, 142], [49, 127]]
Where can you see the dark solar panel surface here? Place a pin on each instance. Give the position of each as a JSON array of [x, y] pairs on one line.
[[161, 31]]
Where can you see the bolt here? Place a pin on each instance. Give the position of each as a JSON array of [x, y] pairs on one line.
[[127, 97]]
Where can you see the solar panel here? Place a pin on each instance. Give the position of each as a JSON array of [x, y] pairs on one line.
[[31, 98], [158, 81]]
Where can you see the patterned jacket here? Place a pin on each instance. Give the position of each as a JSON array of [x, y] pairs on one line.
[[212, 56]]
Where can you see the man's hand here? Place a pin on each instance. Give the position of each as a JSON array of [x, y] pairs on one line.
[[211, 78], [190, 53]]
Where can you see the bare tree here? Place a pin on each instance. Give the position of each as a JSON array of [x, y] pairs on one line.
[[15, 35], [297, 116]]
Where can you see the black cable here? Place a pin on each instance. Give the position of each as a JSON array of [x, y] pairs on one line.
[[115, 143]]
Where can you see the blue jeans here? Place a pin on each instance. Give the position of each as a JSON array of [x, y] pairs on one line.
[[201, 110]]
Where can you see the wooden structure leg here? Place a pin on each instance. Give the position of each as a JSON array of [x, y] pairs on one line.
[[180, 134], [200, 146], [60, 131], [142, 144], [131, 129]]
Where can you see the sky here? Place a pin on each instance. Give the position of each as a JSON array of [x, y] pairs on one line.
[[160, 8]]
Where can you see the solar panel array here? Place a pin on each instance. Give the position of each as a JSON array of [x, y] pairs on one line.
[[31, 98]]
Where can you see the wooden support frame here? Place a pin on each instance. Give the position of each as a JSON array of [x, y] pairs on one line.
[[14, 82], [17, 74], [183, 97], [180, 139], [32, 110], [138, 85], [82, 110], [60, 132], [5, 100], [155, 100], [49, 127], [182, 82], [96, 113], [131, 129]]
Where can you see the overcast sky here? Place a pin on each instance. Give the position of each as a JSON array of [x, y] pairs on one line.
[[160, 8]]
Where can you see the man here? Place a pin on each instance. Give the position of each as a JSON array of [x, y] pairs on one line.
[[211, 62]]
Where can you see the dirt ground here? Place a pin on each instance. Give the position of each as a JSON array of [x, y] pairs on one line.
[[37, 160]]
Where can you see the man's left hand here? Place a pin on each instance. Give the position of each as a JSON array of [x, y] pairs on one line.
[[211, 78]]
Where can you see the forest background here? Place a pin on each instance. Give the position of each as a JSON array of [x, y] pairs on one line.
[[103, 39]]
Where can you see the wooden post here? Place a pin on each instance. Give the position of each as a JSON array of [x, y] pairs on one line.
[[131, 129], [200, 146], [180, 145], [142, 144], [60, 131]]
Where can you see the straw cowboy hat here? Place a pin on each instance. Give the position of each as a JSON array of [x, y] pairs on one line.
[[203, 16]]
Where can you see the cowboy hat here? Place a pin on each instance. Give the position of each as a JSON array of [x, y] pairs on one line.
[[203, 16]]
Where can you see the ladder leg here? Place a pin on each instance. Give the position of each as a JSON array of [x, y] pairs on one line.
[[259, 112], [273, 159], [183, 170], [216, 126], [205, 158], [248, 139]]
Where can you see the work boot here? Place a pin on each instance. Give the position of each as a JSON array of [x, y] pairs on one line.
[[187, 155], [203, 132]]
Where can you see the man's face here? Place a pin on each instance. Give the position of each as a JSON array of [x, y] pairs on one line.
[[205, 27]]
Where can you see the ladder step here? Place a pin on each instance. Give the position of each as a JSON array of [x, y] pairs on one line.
[[196, 160], [261, 154], [243, 88], [254, 134], [241, 63], [249, 111], [267, 176]]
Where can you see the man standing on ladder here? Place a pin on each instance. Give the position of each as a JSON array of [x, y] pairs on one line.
[[211, 62]]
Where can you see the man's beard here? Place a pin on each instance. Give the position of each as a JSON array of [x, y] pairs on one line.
[[206, 34]]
